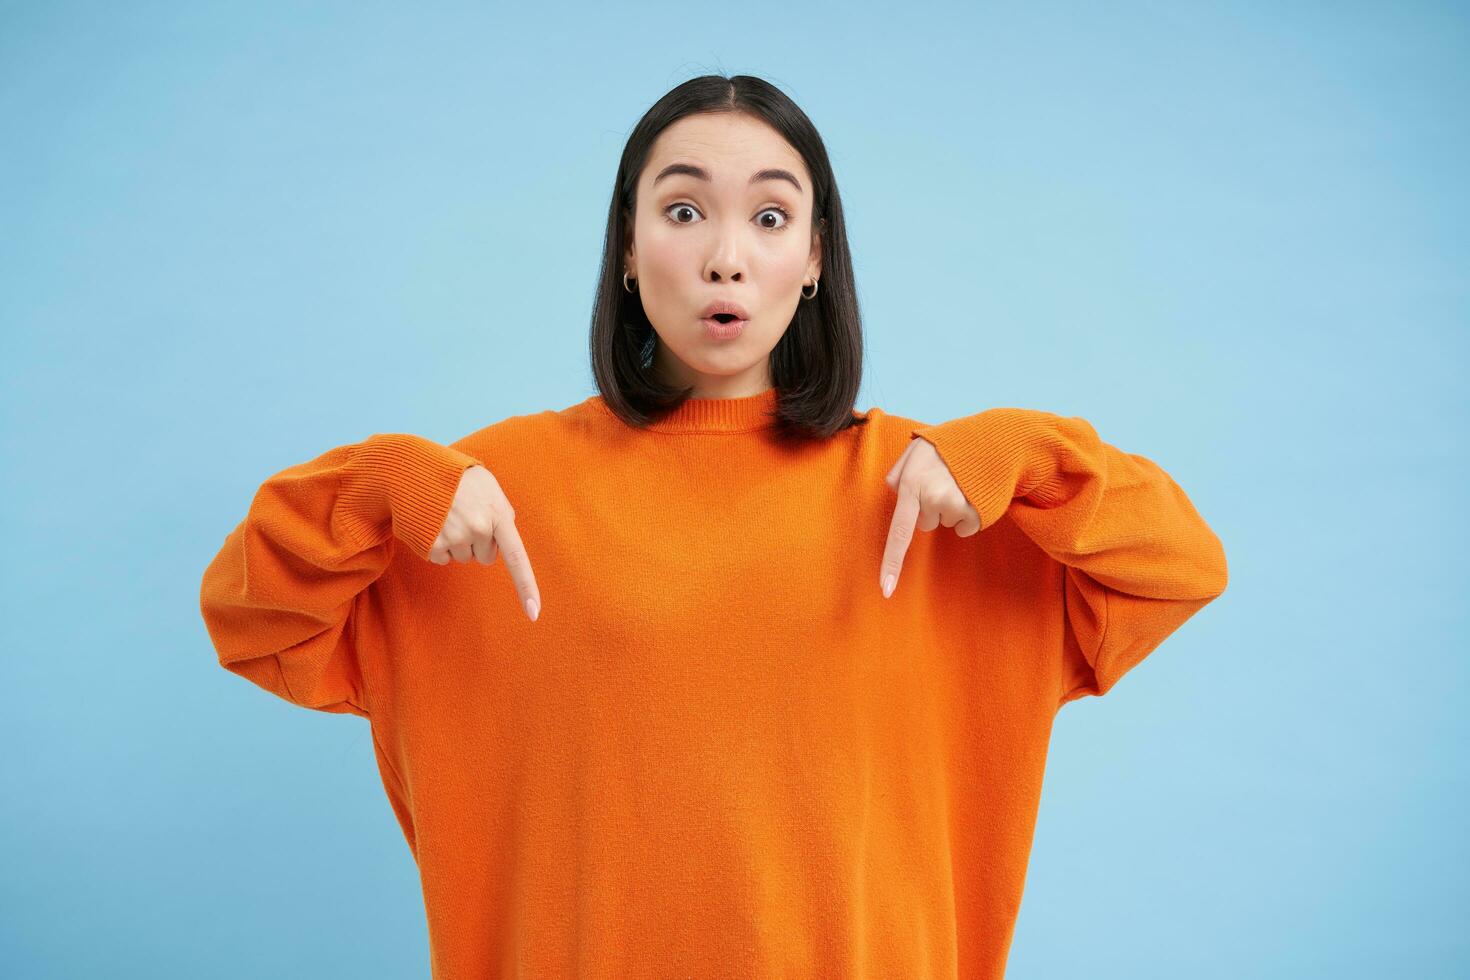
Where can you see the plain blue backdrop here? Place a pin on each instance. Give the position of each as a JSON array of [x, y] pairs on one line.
[[1231, 236]]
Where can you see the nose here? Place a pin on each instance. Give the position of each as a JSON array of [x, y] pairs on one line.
[[725, 263]]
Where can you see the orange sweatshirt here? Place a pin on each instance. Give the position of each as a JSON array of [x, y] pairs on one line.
[[719, 751]]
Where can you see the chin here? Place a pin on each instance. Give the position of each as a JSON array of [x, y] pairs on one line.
[[731, 357], [724, 367]]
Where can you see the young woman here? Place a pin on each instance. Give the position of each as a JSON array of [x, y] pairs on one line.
[[758, 728]]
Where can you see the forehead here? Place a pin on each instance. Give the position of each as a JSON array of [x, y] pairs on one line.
[[731, 146]]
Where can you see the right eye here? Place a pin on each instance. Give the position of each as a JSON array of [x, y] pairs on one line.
[[682, 207]]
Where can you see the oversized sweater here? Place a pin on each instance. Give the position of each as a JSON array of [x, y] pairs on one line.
[[719, 750]]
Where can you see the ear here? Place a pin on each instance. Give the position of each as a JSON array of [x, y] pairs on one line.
[[630, 256], [814, 267]]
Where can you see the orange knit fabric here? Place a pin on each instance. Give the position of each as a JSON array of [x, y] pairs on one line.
[[719, 751]]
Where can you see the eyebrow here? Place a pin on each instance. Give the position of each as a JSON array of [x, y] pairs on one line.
[[699, 173]]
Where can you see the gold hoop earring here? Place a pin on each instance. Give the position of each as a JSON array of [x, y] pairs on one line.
[[815, 286], [625, 284]]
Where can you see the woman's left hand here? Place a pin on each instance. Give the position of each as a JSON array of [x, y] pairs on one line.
[[928, 496]]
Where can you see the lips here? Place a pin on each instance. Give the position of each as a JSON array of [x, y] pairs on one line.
[[719, 330], [724, 311]]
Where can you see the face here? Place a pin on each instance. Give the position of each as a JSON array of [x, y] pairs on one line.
[[717, 220]]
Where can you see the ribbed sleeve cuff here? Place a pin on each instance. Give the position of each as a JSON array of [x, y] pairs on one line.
[[400, 484], [996, 455]]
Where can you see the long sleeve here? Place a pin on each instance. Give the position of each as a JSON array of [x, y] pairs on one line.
[[278, 598], [1138, 558]]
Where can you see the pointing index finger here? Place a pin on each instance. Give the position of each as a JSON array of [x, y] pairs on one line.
[[900, 533], [518, 563]]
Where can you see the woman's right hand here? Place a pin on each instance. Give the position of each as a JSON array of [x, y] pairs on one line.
[[481, 523]]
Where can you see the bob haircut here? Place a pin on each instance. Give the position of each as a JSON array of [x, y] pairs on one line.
[[816, 366]]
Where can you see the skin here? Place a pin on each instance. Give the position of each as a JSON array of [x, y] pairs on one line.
[[928, 496], [696, 239], [481, 524]]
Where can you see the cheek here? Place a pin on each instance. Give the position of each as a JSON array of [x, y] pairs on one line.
[[788, 264], [660, 252]]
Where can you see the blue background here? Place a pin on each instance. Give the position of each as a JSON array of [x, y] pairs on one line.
[[1231, 236]]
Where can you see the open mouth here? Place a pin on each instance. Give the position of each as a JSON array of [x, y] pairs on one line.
[[725, 317]]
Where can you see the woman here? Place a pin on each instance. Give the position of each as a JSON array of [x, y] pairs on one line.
[[731, 743]]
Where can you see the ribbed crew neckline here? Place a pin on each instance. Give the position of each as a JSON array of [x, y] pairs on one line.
[[740, 414]]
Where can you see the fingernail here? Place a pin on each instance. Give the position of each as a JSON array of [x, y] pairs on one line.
[[533, 608], [888, 582]]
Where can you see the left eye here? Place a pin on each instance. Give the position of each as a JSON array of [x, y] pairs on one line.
[[773, 210]]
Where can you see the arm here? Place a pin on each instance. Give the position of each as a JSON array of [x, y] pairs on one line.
[[1138, 558], [278, 598]]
